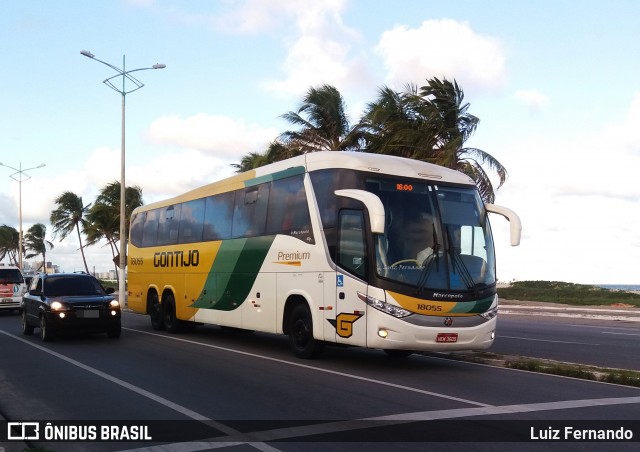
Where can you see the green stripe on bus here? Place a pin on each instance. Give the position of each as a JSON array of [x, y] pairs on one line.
[[473, 307], [294, 171], [233, 273]]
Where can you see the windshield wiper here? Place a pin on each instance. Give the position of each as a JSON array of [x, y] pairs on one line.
[[426, 269]]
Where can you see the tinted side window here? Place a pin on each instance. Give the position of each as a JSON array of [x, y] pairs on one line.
[[191, 221], [137, 225], [250, 211], [168, 224], [218, 216], [288, 209], [150, 228]]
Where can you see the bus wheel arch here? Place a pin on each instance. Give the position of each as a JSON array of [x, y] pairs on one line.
[[298, 324], [155, 310]]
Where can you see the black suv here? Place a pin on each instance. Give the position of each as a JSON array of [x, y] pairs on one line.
[[69, 301]]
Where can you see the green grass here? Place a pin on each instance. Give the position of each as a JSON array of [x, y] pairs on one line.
[[603, 374], [567, 293]]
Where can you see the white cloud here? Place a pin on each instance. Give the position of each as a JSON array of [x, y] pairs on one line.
[[321, 52], [534, 100], [442, 48], [173, 173], [253, 16], [578, 200], [218, 136]]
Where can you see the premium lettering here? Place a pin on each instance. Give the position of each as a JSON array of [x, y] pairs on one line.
[[294, 256]]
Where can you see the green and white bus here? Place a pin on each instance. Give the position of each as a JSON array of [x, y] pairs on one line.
[[329, 247]]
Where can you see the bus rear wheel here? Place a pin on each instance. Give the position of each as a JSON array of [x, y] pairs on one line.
[[303, 344], [154, 309], [171, 322]]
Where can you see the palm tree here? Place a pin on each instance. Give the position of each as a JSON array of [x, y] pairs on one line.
[[430, 124], [103, 225], [250, 161], [70, 215], [323, 123], [35, 241], [109, 201], [399, 123], [9, 244], [104, 216], [323, 126], [275, 152], [455, 127]]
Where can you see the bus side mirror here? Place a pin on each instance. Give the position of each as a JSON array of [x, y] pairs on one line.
[[372, 203], [514, 220]]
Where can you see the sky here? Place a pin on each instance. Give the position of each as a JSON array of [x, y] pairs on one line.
[[555, 84]]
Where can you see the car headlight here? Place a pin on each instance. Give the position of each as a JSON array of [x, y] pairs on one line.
[[383, 306], [114, 304], [57, 306]]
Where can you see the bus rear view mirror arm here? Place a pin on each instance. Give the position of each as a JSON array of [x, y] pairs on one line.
[[373, 205], [514, 221]]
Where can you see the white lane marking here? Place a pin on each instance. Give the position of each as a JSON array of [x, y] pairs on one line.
[[620, 334], [547, 340], [318, 369], [143, 392]]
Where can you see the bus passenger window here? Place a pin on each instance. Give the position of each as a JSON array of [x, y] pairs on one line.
[[250, 212], [150, 229], [351, 253], [136, 228], [191, 221], [218, 217], [288, 209], [168, 224]]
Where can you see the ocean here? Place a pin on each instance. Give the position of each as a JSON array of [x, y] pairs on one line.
[[625, 287]]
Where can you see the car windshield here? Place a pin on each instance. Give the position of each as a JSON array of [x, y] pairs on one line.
[[72, 285], [10, 276]]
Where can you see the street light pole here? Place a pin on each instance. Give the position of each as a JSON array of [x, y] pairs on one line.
[[21, 175], [137, 84]]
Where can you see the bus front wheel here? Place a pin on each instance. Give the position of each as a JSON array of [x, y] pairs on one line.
[[303, 344]]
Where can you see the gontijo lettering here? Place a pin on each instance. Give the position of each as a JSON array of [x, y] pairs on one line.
[[189, 258]]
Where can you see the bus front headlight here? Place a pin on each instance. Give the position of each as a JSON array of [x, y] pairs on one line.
[[383, 306]]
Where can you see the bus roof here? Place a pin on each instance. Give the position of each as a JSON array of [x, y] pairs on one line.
[[362, 161]]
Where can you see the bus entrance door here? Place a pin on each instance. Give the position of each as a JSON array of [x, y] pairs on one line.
[[351, 326]]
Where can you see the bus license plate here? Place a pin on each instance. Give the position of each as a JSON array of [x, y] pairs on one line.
[[447, 337]]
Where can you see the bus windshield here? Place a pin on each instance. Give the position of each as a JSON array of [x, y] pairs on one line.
[[436, 237]]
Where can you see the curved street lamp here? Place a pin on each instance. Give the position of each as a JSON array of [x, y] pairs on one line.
[[137, 84], [21, 176]]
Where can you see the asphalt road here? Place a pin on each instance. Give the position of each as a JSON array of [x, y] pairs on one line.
[[250, 393], [597, 342]]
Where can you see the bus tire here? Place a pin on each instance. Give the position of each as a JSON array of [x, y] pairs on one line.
[[301, 339], [171, 322], [154, 308]]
